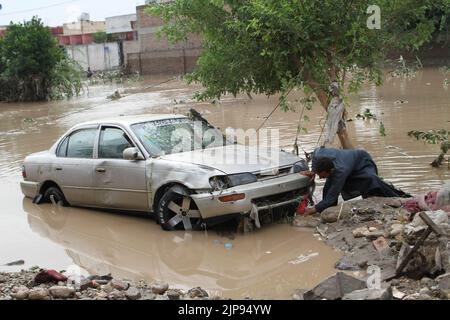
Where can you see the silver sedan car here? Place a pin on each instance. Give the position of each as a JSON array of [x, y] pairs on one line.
[[135, 164]]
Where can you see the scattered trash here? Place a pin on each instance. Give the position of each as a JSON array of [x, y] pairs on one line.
[[268, 252], [401, 101], [46, 276], [228, 246]]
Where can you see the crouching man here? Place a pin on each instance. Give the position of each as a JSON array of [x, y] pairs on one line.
[[350, 173]]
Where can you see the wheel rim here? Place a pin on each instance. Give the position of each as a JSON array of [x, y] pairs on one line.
[[182, 213]]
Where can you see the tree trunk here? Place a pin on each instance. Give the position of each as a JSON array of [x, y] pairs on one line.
[[343, 134], [325, 101]]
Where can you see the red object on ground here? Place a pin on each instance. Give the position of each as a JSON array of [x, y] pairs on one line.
[[46, 276], [302, 206]]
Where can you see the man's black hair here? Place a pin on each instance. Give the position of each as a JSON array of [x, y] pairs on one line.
[[324, 164]]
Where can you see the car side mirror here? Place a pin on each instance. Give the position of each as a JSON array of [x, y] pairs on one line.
[[132, 154]]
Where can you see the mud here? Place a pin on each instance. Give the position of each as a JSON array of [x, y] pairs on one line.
[[258, 265]]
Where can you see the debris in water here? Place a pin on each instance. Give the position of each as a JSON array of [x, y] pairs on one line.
[[303, 258], [228, 246], [15, 263]]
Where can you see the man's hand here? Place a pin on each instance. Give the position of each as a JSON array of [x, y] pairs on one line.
[[311, 175], [310, 211]]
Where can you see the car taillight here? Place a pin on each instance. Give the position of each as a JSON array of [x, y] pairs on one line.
[[24, 173]]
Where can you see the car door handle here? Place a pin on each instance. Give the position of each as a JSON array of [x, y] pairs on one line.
[[101, 170]]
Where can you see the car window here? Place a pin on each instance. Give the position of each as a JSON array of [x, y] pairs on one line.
[[81, 144], [113, 142], [62, 149]]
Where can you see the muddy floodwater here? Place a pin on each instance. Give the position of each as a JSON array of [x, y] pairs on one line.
[[269, 263]]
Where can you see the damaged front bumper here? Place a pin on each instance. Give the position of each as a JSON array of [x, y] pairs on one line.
[[264, 194]]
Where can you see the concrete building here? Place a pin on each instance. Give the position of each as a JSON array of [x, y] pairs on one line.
[[122, 27], [158, 56]]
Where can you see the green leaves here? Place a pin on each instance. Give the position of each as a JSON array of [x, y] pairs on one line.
[[434, 137], [33, 67], [260, 46]]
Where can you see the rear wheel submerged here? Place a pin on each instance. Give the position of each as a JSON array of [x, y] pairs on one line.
[[54, 195], [177, 211]]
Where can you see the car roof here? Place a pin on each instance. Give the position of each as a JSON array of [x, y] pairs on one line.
[[130, 120]]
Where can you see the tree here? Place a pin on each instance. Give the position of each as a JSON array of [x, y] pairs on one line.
[[33, 66], [273, 46]]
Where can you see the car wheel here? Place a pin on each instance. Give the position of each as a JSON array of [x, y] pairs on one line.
[[54, 195], [178, 211]]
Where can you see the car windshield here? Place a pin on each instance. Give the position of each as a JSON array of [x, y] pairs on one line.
[[163, 137]]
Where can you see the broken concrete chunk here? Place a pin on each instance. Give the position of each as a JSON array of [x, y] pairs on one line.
[[380, 244], [396, 229], [360, 232], [335, 287], [369, 294], [444, 281]]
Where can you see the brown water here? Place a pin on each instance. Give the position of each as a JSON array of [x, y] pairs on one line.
[[265, 264]]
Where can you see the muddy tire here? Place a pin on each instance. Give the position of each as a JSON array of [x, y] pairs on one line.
[[177, 211], [55, 195]]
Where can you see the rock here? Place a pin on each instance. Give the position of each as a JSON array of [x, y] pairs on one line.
[[425, 291], [427, 282], [39, 294], [148, 296], [159, 287], [369, 294], [46, 276], [60, 292], [392, 202], [397, 294], [119, 284], [86, 283], [380, 244], [373, 229], [330, 215], [335, 287], [374, 235], [133, 293], [21, 293], [396, 229], [443, 281], [360, 232], [116, 295], [198, 293], [173, 294], [107, 288], [107, 278]]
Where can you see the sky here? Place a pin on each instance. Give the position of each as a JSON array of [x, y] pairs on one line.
[[57, 12]]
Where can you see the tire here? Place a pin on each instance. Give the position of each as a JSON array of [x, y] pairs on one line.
[[57, 195], [171, 214]]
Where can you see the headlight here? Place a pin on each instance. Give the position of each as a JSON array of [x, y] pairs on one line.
[[224, 182], [300, 166]]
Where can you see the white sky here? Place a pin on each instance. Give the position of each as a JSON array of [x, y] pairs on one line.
[[57, 12]]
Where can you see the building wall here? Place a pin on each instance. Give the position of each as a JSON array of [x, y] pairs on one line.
[[130, 47], [99, 57], [157, 55], [84, 27], [120, 24]]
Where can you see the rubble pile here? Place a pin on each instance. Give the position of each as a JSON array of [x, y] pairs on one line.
[[410, 248], [52, 285]]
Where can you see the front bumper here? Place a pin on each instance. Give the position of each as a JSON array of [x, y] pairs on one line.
[[210, 206], [30, 189]]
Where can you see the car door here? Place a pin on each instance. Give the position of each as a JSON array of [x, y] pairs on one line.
[[73, 166], [119, 183]]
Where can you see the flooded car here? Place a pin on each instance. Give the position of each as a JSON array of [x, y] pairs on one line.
[[161, 164]]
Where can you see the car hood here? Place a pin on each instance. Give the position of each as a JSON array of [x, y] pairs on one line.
[[236, 158]]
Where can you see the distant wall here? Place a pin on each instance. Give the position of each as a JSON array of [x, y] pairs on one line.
[[99, 57], [156, 55], [130, 47]]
